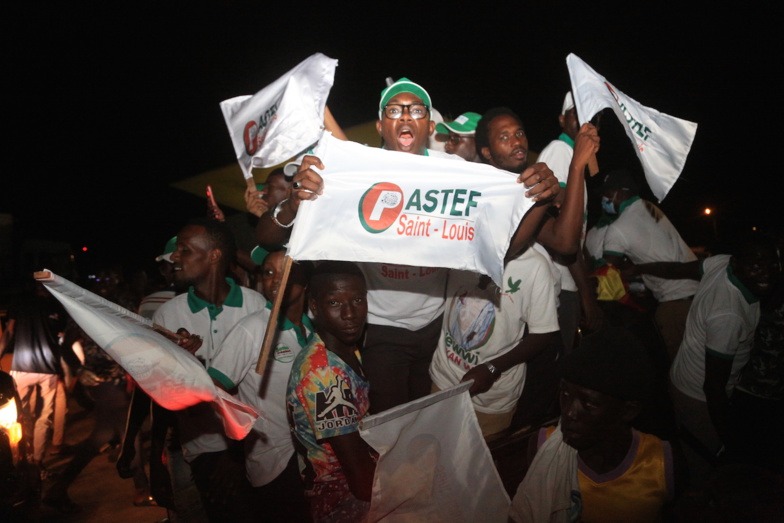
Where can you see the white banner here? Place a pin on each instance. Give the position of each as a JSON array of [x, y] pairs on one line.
[[393, 207], [434, 464], [284, 118], [662, 142], [169, 374]]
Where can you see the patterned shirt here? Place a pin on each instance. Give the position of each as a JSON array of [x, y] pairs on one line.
[[325, 398]]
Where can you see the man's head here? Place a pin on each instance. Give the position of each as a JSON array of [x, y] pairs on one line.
[[461, 133], [272, 274], [277, 187], [204, 247], [568, 117], [606, 380], [338, 302], [618, 186], [754, 263], [404, 117], [501, 140]]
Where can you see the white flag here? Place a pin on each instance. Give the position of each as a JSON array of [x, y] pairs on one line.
[[393, 207], [170, 375], [434, 464], [284, 118], [662, 142]]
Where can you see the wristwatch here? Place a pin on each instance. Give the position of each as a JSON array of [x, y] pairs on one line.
[[494, 372]]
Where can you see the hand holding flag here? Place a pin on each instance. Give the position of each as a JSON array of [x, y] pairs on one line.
[[661, 142]]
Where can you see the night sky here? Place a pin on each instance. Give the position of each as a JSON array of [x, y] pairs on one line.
[[110, 105]]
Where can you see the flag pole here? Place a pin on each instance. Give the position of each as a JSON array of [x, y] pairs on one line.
[[269, 334]]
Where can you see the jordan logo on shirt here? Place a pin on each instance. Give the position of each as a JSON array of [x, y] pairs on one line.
[[335, 407]]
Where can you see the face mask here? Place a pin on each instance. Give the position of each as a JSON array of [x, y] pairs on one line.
[[608, 206]]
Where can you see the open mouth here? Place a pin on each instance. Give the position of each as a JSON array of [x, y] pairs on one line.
[[405, 138]]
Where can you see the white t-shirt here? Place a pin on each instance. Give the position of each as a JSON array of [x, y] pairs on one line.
[[722, 320], [481, 324], [269, 446], [594, 241], [200, 428], [558, 156], [402, 295], [639, 236]]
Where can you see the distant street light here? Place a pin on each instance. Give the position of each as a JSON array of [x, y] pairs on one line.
[[709, 213]]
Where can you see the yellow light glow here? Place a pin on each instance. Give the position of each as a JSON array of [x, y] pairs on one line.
[[707, 211], [8, 414]]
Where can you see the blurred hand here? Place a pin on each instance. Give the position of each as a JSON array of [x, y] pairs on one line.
[[88, 378], [254, 203], [541, 182], [307, 183], [188, 341], [482, 377]]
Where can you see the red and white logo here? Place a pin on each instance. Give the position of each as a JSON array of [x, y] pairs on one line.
[[380, 206]]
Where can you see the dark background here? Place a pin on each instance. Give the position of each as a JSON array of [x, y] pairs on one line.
[[105, 106]]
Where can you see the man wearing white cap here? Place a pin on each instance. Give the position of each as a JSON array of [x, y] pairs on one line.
[[460, 133], [576, 293]]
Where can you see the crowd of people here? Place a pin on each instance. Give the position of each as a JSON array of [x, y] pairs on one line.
[[641, 405]]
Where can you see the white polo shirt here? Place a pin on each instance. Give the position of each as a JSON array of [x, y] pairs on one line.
[[642, 239], [722, 320], [269, 446], [200, 428]]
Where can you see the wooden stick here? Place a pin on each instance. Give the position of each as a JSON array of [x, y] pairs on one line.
[[251, 183], [269, 334]]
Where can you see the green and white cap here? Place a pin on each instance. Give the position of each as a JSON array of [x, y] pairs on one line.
[[404, 85], [465, 124], [258, 254], [171, 246]]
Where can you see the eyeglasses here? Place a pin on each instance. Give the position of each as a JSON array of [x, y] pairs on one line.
[[415, 111]]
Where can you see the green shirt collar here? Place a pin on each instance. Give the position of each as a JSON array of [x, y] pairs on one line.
[[747, 294], [567, 140], [626, 203], [285, 324], [233, 299]]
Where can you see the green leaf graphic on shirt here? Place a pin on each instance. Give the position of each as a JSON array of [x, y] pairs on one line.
[[513, 286]]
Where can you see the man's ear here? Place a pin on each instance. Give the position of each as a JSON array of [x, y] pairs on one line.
[[630, 410], [378, 127], [215, 256], [431, 128], [312, 306], [485, 153], [562, 120]]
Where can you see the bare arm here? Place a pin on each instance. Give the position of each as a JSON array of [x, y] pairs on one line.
[[529, 347], [308, 186], [331, 125], [562, 233], [356, 460], [543, 189]]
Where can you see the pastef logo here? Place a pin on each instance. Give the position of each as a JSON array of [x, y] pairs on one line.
[[254, 132], [380, 206]]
